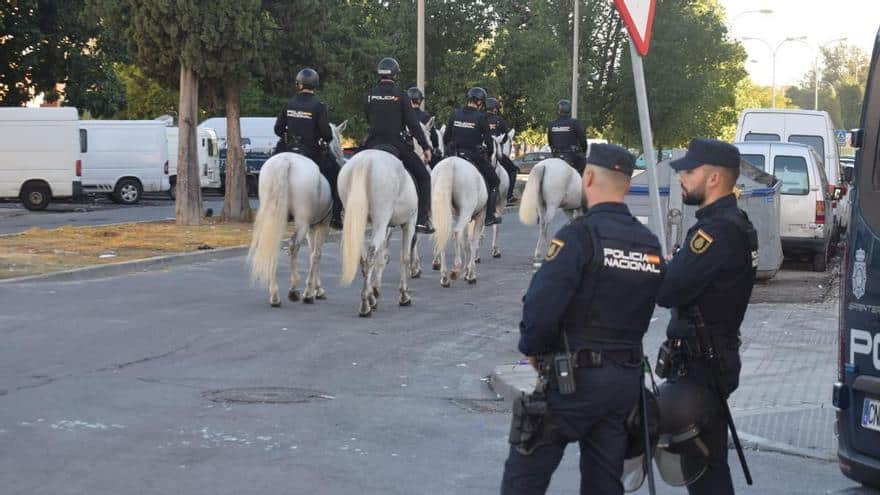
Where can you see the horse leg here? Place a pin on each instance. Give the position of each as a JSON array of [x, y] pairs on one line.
[[477, 258], [435, 262], [415, 260], [317, 251], [456, 254], [474, 242], [367, 264], [381, 262], [496, 251], [315, 238], [295, 243], [408, 232], [538, 247]]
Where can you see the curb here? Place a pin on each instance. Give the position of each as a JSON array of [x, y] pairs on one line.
[[508, 381], [126, 267]]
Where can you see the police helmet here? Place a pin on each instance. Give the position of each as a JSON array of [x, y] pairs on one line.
[[563, 107], [477, 94], [682, 455], [415, 94], [307, 78], [492, 104], [388, 68], [634, 461]]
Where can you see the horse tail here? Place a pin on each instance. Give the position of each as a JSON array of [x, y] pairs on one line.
[[441, 204], [271, 221], [531, 198], [356, 213]]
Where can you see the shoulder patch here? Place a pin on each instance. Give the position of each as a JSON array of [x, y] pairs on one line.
[[701, 242], [555, 247]]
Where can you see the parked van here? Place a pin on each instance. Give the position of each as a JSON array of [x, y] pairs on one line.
[[857, 393], [811, 127], [124, 158], [804, 224], [260, 131], [208, 146], [39, 155]]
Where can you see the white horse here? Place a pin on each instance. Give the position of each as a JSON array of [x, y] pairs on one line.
[[457, 189], [376, 188], [503, 187], [415, 266], [552, 185], [292, 185]]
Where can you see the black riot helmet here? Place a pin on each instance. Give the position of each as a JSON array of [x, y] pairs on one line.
[[477, 95], [492, 104], [634, 474], [307, 79], [388, 68], [683, 454], [563, 107], [415, 95]]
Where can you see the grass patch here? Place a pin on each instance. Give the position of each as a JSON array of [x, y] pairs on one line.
[[37, 250]]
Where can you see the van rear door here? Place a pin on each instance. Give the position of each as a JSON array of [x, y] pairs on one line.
[[798, 198]]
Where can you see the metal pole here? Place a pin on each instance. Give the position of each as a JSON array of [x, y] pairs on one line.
[[656, 220], [773, 84], [574, 59], [420, 47], [816, 89]]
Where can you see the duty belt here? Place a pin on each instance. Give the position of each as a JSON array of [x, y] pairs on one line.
[[595, 358], [692, 349]]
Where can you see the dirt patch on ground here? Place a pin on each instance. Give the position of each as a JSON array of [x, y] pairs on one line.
[[38, 250]]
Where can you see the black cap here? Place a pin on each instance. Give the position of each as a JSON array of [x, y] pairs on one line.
[[704, 151], [612, 157]]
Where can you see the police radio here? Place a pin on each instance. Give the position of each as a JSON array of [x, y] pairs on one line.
[[563, 369]]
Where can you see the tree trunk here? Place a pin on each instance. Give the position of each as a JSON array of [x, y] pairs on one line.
[[188, 209], [236, 206]]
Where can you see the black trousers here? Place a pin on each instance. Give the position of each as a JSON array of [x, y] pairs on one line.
[[416, 167], [594, 416], [483, 166], [330, 170], [576, 160], [511, 170]]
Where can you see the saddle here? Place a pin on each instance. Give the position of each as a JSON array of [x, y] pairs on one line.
[[387, 148]]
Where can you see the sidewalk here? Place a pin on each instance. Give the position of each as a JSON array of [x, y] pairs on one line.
[[789, 358]]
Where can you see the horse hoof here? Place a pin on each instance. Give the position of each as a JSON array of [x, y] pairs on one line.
[[416, 274], [308, 300], [275, 304], [478, 260], [376, 292], [405, 301], [365, 315], [496, 254], [472, 281], [435, 266], [293, 295], [365, 309], [321, 295], [453, 275], [444, 282]]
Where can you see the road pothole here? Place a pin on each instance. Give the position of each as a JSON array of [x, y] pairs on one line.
[[490, 406], [267, 395]]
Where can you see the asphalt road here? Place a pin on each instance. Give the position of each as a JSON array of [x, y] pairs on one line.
[[129, 385]]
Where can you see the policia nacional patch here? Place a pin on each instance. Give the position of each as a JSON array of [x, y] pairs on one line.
[[555, 246], [701, 242]]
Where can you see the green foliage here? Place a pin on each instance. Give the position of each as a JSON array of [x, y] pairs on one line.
[[145, 98]]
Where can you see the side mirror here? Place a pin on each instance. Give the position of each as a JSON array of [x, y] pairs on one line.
[[857, 138]]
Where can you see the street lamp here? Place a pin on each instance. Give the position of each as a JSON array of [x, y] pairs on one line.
[[818, 51], [420, 47], [574, 59], [756, 11], [773, 52]]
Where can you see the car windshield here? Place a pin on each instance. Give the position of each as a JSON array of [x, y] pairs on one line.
[[815, 142], [792, 172], [755, 160], [761, 136]]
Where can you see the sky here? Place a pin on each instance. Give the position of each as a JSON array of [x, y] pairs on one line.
[[819, 20]]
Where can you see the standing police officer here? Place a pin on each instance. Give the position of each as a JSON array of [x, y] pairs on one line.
[[498, 127], [592, 300], [388, 112], [713, 274], [416, 97], [303, 127], [566, 137], [467, 135]]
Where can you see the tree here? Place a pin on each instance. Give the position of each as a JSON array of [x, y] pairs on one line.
[[48, 46], [144, 97]]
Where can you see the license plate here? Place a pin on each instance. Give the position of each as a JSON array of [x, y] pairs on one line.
[[871, 414]]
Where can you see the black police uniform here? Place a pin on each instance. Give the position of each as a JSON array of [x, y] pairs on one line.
[[714, 271], [304, 128], [389, 112], [424, 118], [498, 127], [468, 136], [568, 141], [598, 285]]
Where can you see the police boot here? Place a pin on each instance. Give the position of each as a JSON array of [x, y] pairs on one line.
[[423, 225], [491, 219]]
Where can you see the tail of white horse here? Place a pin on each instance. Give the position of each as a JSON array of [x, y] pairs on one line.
[[531, 198], [441, 203], [357, 206], [271, 222]]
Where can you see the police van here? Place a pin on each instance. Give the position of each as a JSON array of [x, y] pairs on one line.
[[857, 393]]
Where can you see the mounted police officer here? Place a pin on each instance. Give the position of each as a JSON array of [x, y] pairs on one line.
[[468, 136], [498, 127], [584, 316], [708, 285], [389, 112], [566, 137], [416, 97], [303, 128]]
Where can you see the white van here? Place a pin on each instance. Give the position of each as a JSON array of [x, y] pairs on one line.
[[810, 127], [39, 155], [259, 130], [208, 156], [805, 197], [124, 158]]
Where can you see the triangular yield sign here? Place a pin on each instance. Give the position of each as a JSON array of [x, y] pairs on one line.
[[638, 15]]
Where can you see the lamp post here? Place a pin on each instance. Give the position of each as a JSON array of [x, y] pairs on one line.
[[420, 46], [756, 11], [773, 52], [818, 50], [574, 59]]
